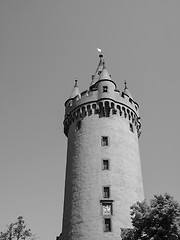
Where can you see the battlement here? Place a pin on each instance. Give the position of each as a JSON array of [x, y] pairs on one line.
[[104, 105], [95, 93]]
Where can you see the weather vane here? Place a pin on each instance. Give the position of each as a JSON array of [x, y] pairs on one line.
[[100, 51]]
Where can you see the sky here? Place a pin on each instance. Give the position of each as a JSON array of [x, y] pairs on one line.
[[44, 46]]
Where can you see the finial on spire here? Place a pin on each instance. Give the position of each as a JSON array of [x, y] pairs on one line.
[[104, 64], [76, 82], [125, 83]]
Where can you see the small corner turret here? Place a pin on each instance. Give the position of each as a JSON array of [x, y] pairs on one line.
[[75, 91], [102, 98], [126, 90]]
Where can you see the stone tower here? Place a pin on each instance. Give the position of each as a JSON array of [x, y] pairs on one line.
[[103, 171]]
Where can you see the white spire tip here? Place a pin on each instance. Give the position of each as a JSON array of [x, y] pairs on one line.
[[99, 50]]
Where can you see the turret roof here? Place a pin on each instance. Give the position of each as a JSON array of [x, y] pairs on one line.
[[75, 91], [95, 77], [126, 90], [104, 74]]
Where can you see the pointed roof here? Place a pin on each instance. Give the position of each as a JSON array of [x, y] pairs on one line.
[[104, 73], [75, 91], [126, 90], [95, 77]]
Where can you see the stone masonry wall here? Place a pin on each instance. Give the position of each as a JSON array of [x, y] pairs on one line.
[[85, 178]]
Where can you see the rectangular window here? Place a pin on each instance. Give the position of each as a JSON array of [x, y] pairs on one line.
[[107, 224], [106, 192], [105, 164], [104, 141], [105, 88]]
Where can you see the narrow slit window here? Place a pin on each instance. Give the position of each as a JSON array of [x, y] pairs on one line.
[[78, 125], [107, 224], [105, 88], [105, 164], [104, 141], [131, 127], [106, 192]]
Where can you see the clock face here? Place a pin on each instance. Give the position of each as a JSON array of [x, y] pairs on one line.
[[106, 209]]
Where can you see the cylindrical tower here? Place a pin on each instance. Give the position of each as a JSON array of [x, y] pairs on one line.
[[103, 171]]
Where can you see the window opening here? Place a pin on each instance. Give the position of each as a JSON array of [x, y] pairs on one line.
[[105, 88], [107, 225], [106, 192], [78, 125], [131, 127], [105, 165], [104, 141]]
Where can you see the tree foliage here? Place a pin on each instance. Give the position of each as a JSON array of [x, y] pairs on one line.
[[159, 220], [17, 230]]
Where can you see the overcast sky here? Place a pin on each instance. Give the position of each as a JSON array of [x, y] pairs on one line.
[[44, 46]]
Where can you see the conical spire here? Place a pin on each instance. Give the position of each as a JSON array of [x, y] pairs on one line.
[[104, 73], [75, 91], [95, 77], [126, 90]]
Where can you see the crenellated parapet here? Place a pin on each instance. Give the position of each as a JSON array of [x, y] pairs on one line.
[[104, 107]]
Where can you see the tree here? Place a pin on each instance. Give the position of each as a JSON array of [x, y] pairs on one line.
[[17, 230], [159, 220]]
